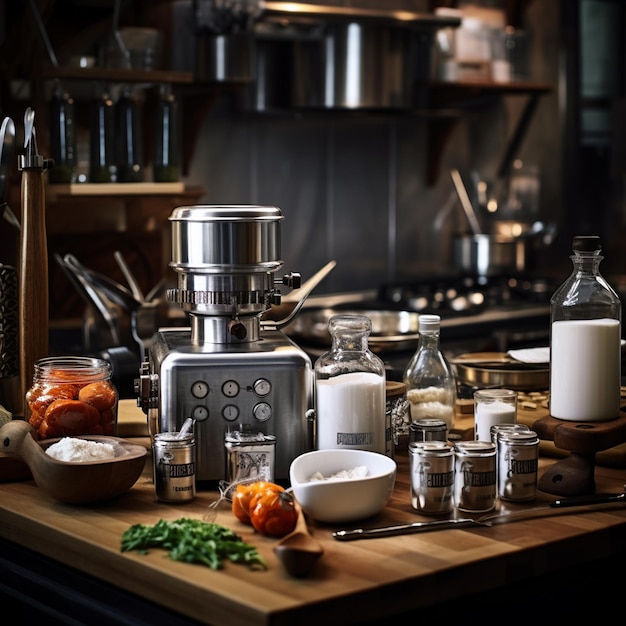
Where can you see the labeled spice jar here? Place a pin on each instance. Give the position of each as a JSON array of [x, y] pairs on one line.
[[250, 456], [398, 416], [496, 429], [518, 460], [174, 467], [432, 477], [71, 396], [475, 475]]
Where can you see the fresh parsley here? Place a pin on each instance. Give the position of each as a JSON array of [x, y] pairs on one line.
[[193, 541]]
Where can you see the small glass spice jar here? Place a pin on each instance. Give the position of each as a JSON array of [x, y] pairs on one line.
[[72, 396]]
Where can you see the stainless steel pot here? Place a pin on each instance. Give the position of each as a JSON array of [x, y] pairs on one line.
[[490, 255], [360, 65], [498, 369], [391, 330], [508, 250]]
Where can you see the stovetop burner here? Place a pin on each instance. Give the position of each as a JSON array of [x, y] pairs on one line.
[[464, 294]]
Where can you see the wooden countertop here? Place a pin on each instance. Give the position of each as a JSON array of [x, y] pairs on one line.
[[354, 582]]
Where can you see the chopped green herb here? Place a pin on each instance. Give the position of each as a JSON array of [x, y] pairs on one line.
[[193, 541]]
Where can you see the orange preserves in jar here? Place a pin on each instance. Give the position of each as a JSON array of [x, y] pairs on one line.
[[72, 396]]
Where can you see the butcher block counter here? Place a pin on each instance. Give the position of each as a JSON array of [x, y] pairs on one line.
[[69, 558]]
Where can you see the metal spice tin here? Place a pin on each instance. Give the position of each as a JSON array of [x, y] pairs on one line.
[[249, 456], [428, 429], [518, 460], [475, 475], [174, 465], [496, 429], [432, 477]]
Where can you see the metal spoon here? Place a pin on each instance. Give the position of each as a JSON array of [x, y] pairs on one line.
[[299, 551], [466, 202], [29, 122]]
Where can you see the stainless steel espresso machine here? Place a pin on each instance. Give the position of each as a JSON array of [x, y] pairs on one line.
[[229, 370]]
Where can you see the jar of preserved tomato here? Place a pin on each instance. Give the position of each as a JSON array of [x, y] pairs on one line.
[[72, 396]]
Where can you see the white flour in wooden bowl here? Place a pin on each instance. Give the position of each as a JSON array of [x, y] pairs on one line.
[[76, 450]]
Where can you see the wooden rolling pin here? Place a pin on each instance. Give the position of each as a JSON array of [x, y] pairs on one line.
[[33, 262]]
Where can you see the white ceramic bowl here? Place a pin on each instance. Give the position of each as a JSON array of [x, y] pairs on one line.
[[342, 500]]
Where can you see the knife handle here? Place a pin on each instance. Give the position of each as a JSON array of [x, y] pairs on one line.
[[33, 278], [594, 498]]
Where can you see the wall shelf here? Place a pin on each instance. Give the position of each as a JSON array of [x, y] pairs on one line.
[[445, 103]]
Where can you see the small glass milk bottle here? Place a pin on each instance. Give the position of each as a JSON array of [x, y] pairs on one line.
[[350, 389], [585, 335], [430, 382]]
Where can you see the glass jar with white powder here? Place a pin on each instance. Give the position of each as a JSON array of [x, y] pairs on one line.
[[350, 390], [585, 334]]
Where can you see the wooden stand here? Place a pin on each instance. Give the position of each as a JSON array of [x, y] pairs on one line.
[[574, 475]]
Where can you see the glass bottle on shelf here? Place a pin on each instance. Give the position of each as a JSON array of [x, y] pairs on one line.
[[350, 390], [102, 139], [62, 137], [128, 138], [430, 381], [167, 137], [585, 340]]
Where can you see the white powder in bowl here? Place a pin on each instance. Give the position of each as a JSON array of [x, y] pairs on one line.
[[80, 450], [348, 474]]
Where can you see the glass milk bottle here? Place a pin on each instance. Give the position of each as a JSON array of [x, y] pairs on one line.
[[350, 389], [430, 382], [585, 334]]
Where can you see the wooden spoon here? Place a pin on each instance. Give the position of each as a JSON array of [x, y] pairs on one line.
[[299, 551], [76, 482]]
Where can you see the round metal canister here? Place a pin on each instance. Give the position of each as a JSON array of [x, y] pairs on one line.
[[475, 475], [518, 460], [397, 415], [428, 429], [496, 429], [174, 466], [432, 477]]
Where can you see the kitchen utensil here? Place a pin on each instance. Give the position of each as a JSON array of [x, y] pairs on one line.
[[498, 369], [391, 330], [563, 506], [347, 485], [466, 203], [7, 147], [33, 265], [75, 482], [299, 551], [291, 304], [129, 276]]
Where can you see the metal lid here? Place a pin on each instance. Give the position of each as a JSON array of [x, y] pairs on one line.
[[430, 448], [225, 213], [474, 447], [428, 423], [518, 436]]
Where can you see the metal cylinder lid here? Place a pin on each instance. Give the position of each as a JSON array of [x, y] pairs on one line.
[[226, 239]]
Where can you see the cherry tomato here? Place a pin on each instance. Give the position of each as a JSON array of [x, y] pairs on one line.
[[273, 512], [242, 497]]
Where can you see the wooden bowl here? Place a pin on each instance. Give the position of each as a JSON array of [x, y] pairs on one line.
[[75, 482]]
